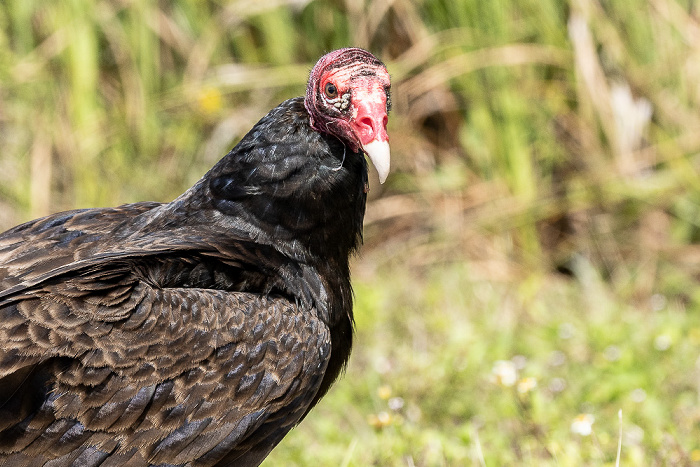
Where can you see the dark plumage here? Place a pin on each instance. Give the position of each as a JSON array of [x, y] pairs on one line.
[[200, 331]]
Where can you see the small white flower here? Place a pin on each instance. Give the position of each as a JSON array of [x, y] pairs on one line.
[[662, 342], [612, 353], [557, 385], [583, 424], [382, 365], [557, 358], [566, 331], [519, 361], [504, 373], [639, 395], [658, 302], [384, 418], [633, 434], [395, 403], [380, 420]]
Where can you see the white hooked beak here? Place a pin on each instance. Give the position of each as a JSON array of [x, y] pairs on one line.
[[378, 153]]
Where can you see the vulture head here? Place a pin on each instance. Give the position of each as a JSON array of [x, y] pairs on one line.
[[348, 96]]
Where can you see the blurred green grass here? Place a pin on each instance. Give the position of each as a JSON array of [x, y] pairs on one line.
[[424, 386], [543, 209]]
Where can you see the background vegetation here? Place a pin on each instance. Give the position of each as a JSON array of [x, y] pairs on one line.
[[527, 292]]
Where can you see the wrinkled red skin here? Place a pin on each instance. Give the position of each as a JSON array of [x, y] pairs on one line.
[[368, 84]]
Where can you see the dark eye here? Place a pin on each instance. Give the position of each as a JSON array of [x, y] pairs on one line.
[[330, 90]]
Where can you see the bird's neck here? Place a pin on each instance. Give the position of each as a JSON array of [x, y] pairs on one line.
[[301, 193]]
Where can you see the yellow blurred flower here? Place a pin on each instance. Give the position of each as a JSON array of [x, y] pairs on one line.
[[209, 100], [694, 336], [380, 420], [384, 392], [695, 455], [526, 385]]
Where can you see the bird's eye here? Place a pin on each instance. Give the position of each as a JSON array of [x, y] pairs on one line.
[[330, 90]]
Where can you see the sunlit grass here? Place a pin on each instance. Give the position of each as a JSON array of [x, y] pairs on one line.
[[450, 370]]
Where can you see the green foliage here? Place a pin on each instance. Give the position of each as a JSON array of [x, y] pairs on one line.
[[423, 385], [529, 139]]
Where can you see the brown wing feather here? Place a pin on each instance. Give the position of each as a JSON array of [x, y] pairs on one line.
[[187, 383], [101, 367], [47, 247]]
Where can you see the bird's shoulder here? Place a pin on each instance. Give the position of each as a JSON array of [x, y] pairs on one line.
[[51, 245]]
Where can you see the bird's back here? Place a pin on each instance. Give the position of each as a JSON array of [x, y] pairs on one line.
[[99, 357]]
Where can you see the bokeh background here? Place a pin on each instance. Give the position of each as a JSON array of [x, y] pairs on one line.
[[527, 293]]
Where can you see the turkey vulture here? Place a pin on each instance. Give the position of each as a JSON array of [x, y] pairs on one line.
[[200, 331]]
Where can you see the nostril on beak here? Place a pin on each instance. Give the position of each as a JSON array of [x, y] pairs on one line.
[[369, 123], [366, 121], [366, 127]]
